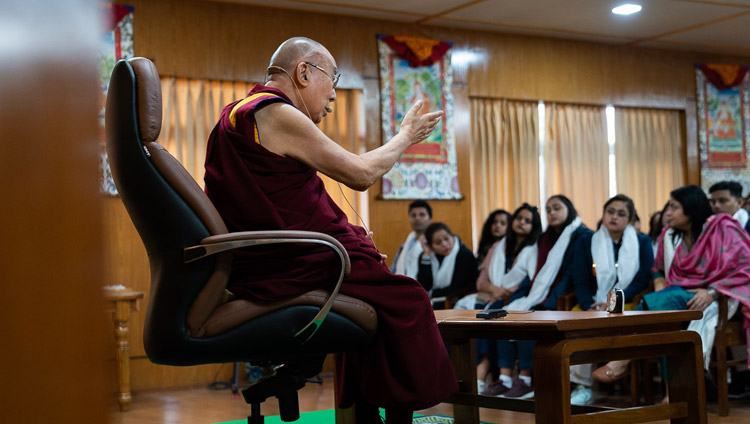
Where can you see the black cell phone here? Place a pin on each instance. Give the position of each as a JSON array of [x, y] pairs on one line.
[[492, 313]]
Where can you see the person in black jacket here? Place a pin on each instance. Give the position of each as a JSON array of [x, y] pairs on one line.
[[446, 265], [615, 256]]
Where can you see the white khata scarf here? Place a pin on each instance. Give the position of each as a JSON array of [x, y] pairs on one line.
[[670, 243], [549, 271], [407, 262], [607, 270], [525, 265], [442, 273], [742, 217]]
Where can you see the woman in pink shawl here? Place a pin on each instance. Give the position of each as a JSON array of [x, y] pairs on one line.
[[712, 259]]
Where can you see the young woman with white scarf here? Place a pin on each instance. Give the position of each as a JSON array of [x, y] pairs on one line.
[[494, 229], [446, 265], [615, 256], [541, 292], [510, 261]]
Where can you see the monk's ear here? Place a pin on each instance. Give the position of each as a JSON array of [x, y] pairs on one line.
[[302, 74]]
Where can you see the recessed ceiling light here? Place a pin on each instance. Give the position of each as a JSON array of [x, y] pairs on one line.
[[627, 9]]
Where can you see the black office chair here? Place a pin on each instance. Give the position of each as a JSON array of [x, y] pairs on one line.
[[189, 251]]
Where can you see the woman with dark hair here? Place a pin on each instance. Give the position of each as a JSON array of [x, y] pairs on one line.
[[712, 258], [508, 263], [511, 259], [446, 265], [494, 229], [538, 293], [615, 256], [656, 225]]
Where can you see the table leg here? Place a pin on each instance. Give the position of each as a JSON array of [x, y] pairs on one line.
[[121, 317], [551, 383], [464, 359], [686, 384]]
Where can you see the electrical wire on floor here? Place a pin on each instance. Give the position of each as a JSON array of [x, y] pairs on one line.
[[233, 384]]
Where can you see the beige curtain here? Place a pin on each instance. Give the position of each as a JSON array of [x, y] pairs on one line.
[[191, 108], [504, 157], [576, 156], [649, 152]]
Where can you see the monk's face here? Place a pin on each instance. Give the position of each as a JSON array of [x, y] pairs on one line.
[[320, 91]]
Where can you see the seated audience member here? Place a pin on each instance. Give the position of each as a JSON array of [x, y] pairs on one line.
[[446, 265], [262, 164], [407, 258], [712, 258], [656, 224], [726, 197], [508, 263], [493, 230], [540, 293], [615, 256], [637, 223], [512, 259]]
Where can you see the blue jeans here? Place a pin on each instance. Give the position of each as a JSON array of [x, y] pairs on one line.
[[486, 347], [508, 351]]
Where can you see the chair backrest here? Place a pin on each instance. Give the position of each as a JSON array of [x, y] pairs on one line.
[[168, 208]]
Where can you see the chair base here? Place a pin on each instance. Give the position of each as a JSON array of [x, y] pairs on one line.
[[283, 384]]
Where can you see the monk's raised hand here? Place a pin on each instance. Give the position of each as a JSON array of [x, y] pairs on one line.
[[417, 126]]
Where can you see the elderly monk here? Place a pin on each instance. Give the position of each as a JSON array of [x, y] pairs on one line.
[[261, 173]]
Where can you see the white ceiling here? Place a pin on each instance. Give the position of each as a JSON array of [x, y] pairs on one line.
[[699, 25]]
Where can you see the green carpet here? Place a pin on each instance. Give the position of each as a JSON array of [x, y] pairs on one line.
[[328, 416]]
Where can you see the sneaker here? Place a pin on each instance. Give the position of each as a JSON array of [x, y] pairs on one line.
[[481, 386], [496, 388], [582, 395], [519, 390]]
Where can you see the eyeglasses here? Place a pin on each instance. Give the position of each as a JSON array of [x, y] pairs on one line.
[[334, 77]]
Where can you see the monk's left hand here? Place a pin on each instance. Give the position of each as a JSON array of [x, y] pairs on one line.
[[700, 301]]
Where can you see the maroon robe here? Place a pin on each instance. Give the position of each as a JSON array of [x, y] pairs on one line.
[[407, 367]]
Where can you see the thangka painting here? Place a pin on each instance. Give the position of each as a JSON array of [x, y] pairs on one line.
[[723, 97], [116, 44], [412, 69]]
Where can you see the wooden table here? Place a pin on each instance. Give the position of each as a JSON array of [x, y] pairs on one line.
[[569, 338], [123, 301]]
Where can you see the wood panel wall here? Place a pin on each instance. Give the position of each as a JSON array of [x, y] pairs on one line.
[[219, 40], [53, 364]]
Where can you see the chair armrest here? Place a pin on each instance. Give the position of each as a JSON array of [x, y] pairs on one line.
[[224, 242]]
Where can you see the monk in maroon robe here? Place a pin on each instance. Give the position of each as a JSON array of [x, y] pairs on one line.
[[261, 174]]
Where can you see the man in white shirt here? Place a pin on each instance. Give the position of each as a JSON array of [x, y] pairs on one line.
[[406, 261], [726, 197]]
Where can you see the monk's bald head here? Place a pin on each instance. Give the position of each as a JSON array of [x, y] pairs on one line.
[[296, 50]]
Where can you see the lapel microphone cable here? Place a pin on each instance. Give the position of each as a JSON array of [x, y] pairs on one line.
[[328, 109]]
